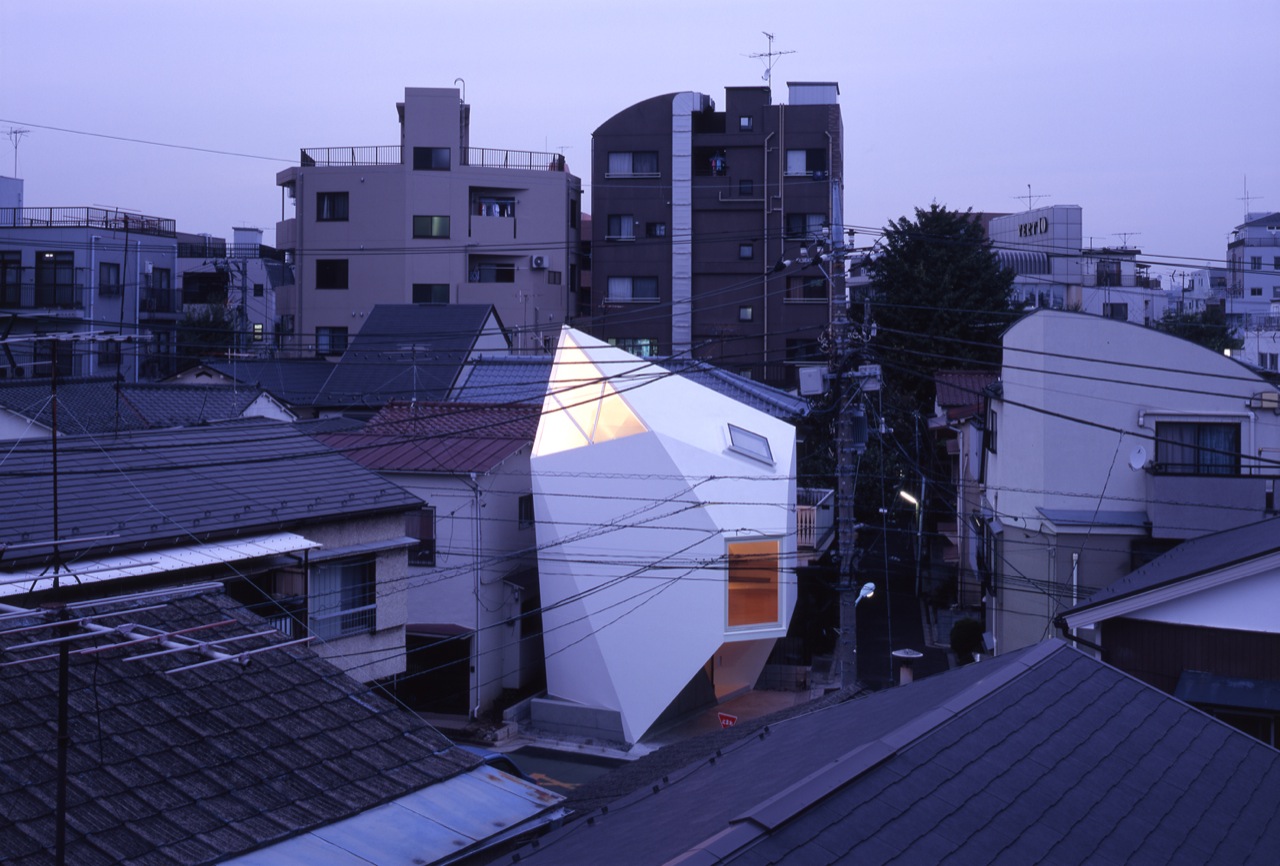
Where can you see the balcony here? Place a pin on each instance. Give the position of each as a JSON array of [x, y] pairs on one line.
[[815, 517], [1186, 506], [88, 218], [159, 302], [333, 157], [527, 160], [46, 296]]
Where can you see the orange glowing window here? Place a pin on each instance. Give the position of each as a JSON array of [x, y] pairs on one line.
[[753, 583]]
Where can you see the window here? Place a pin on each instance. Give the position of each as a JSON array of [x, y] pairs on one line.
[[746, 251], [524, 515], [493, 204], [431, 159], [627, 163], [259, 290], [621, 227], [555, 278], [1255, 291], [1198, 447], [1116, 311], [493, 272], [431, 227], [109, 353], [10, 277], [421, 525], [1255, 263], [655, 230], [633, 289], [746, 314], [804, 350], [806, 162], [744, 122], [641, 347], [753, 583], [1108, 272], [803, 225], [331, 273], [807, 288], [109, 279], [331, 341], [331, 207], [55, 279], [743, 441], [258, 332], [746, 187], [1275, 263], [342, 598], [431, 293], [1269, 361]]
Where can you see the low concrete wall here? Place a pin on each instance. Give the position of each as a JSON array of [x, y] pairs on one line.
[[549, 714]]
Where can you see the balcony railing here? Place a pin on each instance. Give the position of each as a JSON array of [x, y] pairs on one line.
[[160, 301], [475, 157], [815, 516], [86, 217], [330, 157], [353, 620], [31, 296]]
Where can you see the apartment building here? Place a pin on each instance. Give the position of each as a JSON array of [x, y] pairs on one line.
[[707, 224], [431, 220], [104, 274]]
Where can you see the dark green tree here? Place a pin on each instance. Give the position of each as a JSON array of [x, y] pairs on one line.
[[206, 331], [1208, 328]]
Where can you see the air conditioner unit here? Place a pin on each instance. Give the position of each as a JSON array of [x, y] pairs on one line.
[[538, 263]]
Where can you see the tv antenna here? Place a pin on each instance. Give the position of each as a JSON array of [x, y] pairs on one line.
[[768, 58], [15, 135], [1032, 199], [1124, 238], [1246, 198]]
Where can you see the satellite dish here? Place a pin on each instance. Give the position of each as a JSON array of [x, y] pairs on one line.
[[1138, 459]]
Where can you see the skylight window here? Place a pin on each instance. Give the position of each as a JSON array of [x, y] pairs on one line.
[[750, 444]]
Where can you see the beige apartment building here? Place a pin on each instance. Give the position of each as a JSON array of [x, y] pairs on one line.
[[431, 220]]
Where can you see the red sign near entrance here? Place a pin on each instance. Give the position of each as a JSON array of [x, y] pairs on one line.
[[727, 721]]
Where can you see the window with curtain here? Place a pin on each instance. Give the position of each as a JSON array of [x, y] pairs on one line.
[[1198, 447], [753, 583]]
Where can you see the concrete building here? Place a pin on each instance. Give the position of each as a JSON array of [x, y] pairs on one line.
[[666, 542], [694, 208], [431, 220], [89, 271], [1044, 247]]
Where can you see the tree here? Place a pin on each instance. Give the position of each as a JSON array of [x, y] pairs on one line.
[[1208, 328], [207, 331], [940, 300]]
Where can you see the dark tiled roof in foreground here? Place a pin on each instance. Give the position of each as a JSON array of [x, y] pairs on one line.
[[197, 766], [182, 486], [1038, 756]]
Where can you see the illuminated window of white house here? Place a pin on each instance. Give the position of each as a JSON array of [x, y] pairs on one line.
[[750, 444], [753, 583], [581, 407]]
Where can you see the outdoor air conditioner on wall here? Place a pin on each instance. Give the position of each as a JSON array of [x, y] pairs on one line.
[[538, 263]]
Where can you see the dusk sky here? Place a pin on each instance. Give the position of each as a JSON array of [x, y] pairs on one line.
[[1149, 115]]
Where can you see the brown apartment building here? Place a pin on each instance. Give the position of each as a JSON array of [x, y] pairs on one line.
[[707, 227]]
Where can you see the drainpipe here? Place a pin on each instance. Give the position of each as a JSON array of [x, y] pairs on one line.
[[475, 559], [93, 291], [137, 302], [764, 298], [1061, 623]]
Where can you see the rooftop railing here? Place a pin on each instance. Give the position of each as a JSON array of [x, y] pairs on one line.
[[476, 157], [329, 157], [86, 217]]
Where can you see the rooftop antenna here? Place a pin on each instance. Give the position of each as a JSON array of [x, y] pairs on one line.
[[1246, 198], [769, 61], [15, 135], [1124, 238], [1032, 199]]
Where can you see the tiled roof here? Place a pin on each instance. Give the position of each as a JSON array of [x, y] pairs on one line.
[[524, 380], [439, 437], [197, 766], [106, 406], [294, 381], [960, 393], [405, 352], [181, 486], [1040, 756]]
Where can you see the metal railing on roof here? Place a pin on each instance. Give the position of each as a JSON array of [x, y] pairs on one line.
[[328, 157], [86, 217]]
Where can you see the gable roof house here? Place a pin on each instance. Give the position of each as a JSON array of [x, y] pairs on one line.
[[1199, 623], [472, 629], [98, 406], [1106, 444], [1043, 755], [178, 751], [310, 538], [403, 352]]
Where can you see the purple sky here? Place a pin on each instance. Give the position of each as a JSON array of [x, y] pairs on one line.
[[1149, 115]]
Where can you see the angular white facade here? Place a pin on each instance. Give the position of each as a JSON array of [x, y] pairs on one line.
[[666, 537]]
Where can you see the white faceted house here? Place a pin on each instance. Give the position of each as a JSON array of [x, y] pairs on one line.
[[666, 540]]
